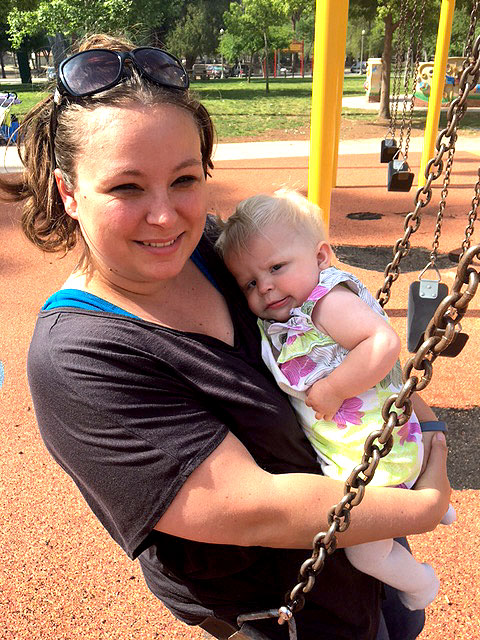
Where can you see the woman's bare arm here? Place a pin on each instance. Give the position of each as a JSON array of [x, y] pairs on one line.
[[229, 499]]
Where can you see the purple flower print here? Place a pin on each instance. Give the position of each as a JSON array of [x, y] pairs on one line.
[[297, 368], [408, 431], [318, 293], [349, 412]]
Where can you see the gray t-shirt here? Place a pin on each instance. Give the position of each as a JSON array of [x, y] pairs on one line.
[[129, 409]]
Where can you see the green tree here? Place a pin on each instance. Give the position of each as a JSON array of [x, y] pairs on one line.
[[197, 31], [252, 22]]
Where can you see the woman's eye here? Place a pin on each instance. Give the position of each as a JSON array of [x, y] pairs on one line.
[[185, 180], [126, 187]]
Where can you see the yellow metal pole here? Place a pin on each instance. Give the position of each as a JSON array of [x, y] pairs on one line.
[[330, 23], [438, 83], [340, 64]]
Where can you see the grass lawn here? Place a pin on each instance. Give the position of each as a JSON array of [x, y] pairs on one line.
[[242, 109]]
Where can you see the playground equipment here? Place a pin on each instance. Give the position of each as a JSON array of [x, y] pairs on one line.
[[399, 176], [373, 82], [452, 78], [8, 120], [442, 336]]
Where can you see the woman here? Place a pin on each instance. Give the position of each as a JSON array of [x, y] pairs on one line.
[[145, 368]]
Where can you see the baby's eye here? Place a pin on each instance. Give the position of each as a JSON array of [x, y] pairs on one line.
[[276, 267], [250, 285]]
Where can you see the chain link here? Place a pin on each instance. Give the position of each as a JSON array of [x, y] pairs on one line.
[[417, 374], [445, 142], [418, 370], [398, 60], [414, 76], [472, 216]]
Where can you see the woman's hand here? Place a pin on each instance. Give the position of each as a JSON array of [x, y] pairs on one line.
[[433, 481]]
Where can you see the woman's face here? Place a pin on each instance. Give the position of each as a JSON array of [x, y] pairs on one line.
[[140, 194]]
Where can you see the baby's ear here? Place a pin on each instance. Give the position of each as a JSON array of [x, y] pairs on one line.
[[324, 255]]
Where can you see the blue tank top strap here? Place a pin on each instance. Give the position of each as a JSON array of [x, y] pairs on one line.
[[78, 299], [82, 300], [197, 259]]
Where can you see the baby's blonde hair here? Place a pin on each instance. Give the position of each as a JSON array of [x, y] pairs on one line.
[[254, 214]]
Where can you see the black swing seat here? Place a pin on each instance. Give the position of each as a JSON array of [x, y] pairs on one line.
[[388, 150], [400, 178]]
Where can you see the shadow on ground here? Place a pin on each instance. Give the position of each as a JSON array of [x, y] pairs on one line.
[[377, 258], [464, 443]]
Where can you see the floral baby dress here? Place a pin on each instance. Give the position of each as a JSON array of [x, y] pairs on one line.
[[298, 354]]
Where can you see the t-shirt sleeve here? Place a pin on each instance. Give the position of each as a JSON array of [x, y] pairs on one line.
[[121, 422]]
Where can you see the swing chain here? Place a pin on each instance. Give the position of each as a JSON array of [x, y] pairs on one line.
[[441, 207], [472, 216], [396, 79], [471, 31], [406, 78], [469, 78], [418, 49], [396, 412]]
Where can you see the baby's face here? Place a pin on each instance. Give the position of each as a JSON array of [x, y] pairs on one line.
[[277, 271]]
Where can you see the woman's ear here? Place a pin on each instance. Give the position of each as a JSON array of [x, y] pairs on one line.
[[66, 194], [324, 255]]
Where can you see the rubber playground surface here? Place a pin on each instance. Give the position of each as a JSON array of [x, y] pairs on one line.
[[62, 577]]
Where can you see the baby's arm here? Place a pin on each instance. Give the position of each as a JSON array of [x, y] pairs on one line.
[[372, 344]]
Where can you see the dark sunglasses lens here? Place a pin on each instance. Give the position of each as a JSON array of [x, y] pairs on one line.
[[91, 71], [162, 67]]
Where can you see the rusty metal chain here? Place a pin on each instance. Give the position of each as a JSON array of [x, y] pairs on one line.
[[472, 216], [445, 141], [418, 370], [471, 30], [398, 59], [417, 374], [407, 72], [418, 51], [441, 206]]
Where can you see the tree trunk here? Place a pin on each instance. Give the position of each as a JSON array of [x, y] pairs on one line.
[[384, 110], [265, 40], [23, 66], [2, 64]]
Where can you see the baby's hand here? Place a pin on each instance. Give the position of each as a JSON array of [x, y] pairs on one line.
[[323, 399]]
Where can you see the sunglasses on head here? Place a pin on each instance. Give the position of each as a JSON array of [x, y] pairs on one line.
[[95, 70]]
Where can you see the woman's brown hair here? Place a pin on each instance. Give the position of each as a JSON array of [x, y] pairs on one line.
[[44, 219]]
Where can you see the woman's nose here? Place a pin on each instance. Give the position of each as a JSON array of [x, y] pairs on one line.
[[161, 210]]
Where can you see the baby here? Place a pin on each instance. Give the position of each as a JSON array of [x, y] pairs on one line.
[[329, 346]]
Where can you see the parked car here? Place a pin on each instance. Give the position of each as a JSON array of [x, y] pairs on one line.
[[241, 70], [215, 71], [355, 68], [199, 71]]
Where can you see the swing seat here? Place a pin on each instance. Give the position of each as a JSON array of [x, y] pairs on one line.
[[388, 150], [400, 178]]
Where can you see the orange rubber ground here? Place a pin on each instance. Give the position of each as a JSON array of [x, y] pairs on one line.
[[62, 578]]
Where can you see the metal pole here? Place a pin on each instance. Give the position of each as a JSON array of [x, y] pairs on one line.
[[361, 51], [438, 83], [222, 75], [330, 28]]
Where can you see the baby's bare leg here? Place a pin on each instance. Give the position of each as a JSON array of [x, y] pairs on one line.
[[391, 563]]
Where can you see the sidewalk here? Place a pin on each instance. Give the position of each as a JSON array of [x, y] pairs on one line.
[[10, 162]]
